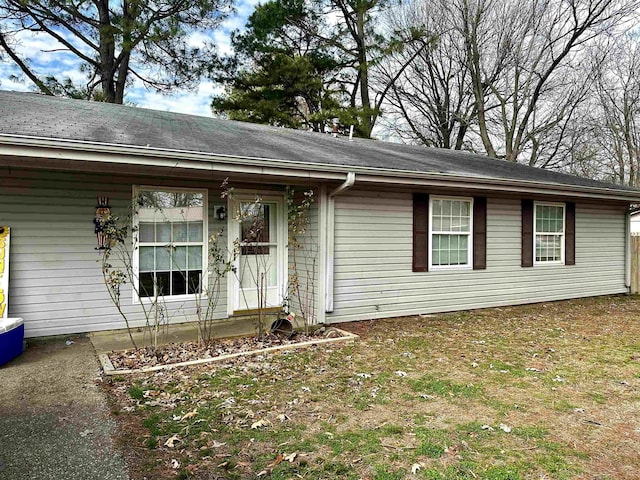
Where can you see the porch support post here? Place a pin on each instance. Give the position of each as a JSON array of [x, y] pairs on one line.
[[330, 231]]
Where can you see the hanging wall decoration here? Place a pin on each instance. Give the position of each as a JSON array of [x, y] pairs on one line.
[[101, 220]]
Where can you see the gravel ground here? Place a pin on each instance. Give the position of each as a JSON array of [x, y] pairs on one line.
[[54, 420]]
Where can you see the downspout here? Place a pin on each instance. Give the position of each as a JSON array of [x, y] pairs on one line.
[[627, 250], [330, 238]]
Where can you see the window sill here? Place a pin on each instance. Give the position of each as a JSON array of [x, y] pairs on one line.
[[170, 299], [453, 268]]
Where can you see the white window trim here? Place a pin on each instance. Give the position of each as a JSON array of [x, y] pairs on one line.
[[562, 235], [205, 242], [469, 265]]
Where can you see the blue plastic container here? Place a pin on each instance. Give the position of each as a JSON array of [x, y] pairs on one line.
[[11, 339]]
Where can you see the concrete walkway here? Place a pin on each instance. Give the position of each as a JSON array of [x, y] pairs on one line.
[[114, 340], [54, 419]]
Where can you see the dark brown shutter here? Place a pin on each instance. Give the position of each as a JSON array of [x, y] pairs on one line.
[[420, 232], [527, 233], [479, 233], [570, 234]]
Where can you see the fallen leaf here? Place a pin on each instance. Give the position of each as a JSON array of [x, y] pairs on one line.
[[291, 457], [416, 467], [259, 424], [283, 418], [175, 464], [216, 444], [171, 441], [400, 373], [262, 473], [487, 427], [276, 462], [364, 375], [505, 428], [191, 414]]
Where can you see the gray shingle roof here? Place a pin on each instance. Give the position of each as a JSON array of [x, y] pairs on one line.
[[30, 114]]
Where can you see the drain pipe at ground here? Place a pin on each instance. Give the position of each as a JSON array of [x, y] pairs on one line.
[[330, 231]]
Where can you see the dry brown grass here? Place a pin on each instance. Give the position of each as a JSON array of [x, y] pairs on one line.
[[563, 376]]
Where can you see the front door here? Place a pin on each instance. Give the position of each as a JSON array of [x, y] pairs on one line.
[[260, 269]]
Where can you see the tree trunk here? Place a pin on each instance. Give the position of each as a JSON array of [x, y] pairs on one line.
[[363, 66], [106, 53]]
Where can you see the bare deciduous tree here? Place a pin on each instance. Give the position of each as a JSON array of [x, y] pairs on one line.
[[503, 77], [536, 46], [431, 97], [610, 121]]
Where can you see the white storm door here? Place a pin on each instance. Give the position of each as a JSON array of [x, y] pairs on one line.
[[261, 267]]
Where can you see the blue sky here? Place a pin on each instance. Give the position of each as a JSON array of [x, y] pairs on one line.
[[64, 65]]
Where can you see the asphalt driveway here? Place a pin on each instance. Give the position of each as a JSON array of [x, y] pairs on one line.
[[54, 419]]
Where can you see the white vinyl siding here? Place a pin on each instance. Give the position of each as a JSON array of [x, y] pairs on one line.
[[305, 261], [57, 287], [56, 283], [373, 259]]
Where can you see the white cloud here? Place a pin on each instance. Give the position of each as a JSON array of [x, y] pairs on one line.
[[222, 41]]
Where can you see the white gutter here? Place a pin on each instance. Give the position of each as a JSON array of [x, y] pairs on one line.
[[72, 150], [330, 238], [627, 251]]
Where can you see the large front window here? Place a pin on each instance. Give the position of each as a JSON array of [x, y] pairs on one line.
[[171, 241], [549, 232], [450, 232]]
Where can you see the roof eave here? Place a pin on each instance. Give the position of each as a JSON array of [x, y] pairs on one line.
[[63, 149]]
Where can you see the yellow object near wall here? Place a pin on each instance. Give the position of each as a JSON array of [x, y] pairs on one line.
[[4, 271]]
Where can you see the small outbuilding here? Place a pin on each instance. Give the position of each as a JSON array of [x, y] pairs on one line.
[[393, 229]]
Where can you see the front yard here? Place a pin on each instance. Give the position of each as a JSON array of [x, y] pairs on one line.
[[542, 391]]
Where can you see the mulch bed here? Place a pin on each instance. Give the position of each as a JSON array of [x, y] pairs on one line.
[[183, 352]]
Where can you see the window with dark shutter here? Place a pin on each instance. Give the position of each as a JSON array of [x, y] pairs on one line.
[[527, 233], [570, 234], [479, 233], [420, 232]]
